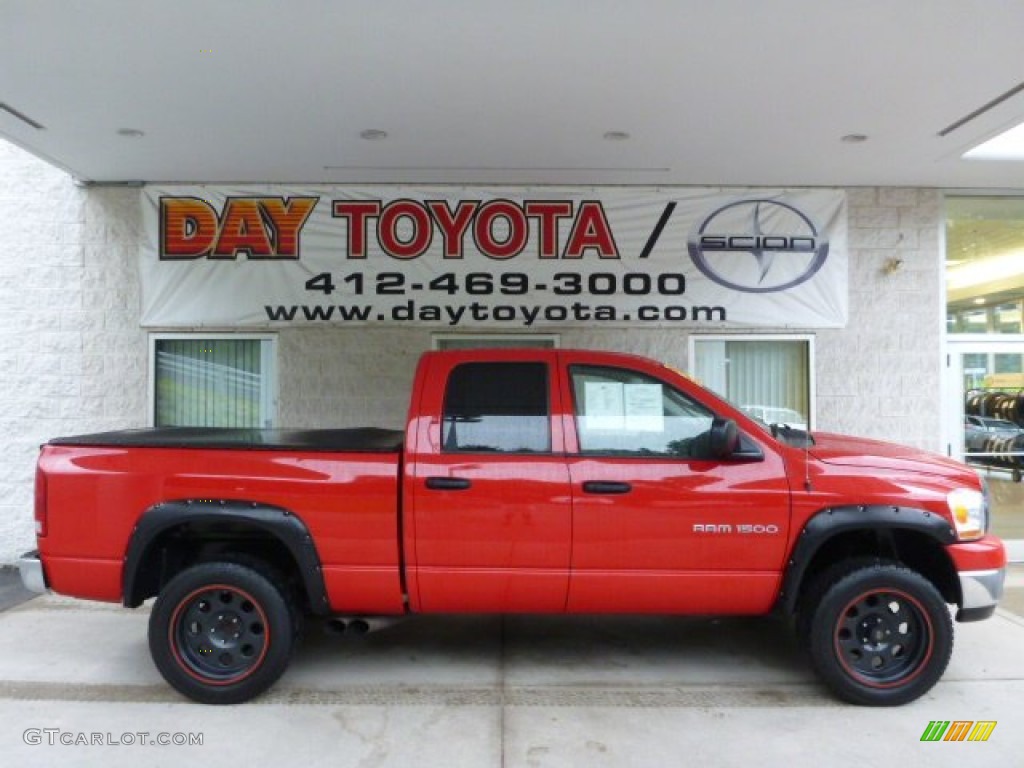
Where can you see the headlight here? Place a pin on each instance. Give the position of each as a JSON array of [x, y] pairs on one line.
[[970, 513]]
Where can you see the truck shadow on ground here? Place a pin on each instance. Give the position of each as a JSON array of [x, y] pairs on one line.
[[557, 652]]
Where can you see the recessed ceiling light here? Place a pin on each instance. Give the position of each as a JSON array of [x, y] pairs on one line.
[[130, 133], [616, 136], [979, 301], [1008, 145], [373, 134], [854, 138]]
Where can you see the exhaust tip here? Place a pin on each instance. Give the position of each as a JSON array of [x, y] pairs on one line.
[[359, 627], [335, 626]]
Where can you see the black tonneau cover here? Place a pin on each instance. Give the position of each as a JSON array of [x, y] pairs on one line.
[[362, 439]]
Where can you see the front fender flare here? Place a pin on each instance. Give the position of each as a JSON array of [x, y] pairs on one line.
[[833, 521]]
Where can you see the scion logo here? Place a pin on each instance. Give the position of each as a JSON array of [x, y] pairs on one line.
[[758, 246]]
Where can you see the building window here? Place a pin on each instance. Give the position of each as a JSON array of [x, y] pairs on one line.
[[492, 340], [984, 266], [497, 407], [768, 377], [213, 381]]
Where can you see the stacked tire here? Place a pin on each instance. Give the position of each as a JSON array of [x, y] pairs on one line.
[[997, 405]]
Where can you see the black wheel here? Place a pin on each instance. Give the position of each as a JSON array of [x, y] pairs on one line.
[[879, 634], [221, 633]]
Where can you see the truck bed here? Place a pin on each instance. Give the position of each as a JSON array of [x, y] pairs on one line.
[[356, 440], [342, 484]]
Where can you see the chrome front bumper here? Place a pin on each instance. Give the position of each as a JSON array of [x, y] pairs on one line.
[[981, 592], [32, 575]]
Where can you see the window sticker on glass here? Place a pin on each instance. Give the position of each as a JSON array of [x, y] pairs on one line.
[[604, 405], [643, 406]]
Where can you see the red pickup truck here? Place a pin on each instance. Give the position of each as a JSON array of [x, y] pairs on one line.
[[526, 481]]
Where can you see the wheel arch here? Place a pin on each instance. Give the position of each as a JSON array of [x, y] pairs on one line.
[[175, 534], [914, 537]]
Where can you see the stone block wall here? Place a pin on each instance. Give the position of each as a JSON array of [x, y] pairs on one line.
[[881, 376], [72, 356]]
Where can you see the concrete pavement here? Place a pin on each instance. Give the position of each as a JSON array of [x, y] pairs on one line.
[[524, 692], [12, 593]]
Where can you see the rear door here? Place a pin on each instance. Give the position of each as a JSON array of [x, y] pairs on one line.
[[490, 489], [660, 525]]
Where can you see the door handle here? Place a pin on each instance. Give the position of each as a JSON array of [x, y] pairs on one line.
[[606, 487], [448, 483]]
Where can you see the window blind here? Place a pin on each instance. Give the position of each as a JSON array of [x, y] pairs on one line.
[[210, 383]]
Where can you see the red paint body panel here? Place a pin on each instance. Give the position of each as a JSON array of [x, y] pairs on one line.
[[708, 593], [523, 535], [347, 501], [866, 455], [509, 536], [643, 549], [89, 578], [371, 590], [981, 555]]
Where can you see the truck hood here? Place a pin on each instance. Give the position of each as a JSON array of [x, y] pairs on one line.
[[875, 454]]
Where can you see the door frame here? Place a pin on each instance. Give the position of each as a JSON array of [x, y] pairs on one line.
[[953, 396], [956, 347]]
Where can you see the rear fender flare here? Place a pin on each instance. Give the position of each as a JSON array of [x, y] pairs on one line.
[[278, 522]]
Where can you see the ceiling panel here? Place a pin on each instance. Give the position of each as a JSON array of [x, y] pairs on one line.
[[723, 93]]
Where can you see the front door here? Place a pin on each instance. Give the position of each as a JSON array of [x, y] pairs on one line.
[[659, 525]]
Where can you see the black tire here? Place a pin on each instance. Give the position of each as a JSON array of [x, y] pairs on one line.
[[221, 632], [878, 634]]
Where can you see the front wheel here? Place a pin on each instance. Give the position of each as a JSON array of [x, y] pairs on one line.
[[879, 634], [221, 633]]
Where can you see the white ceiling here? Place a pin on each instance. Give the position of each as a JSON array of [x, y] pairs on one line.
[[715, 92]]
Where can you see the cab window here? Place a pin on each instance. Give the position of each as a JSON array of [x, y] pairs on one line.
[[622, 412], [497, 407]]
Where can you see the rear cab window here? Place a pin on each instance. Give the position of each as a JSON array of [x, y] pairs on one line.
[[497, 408]]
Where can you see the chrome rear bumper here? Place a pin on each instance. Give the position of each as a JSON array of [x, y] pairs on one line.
[[33, 577]]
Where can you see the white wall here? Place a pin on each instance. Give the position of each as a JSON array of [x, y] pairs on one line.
[[73, 358], [882, 376]]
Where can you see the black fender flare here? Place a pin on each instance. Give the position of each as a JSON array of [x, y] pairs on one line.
[[832, 521], [278, 522]]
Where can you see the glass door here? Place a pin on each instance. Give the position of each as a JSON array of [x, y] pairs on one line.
[[985, 424]]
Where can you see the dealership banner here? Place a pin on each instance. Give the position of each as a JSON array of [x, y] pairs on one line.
[[509, 258]]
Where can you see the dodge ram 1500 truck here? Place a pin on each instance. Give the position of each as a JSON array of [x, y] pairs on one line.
[[526, 481]]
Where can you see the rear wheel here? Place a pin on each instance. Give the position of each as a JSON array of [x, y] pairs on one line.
[[878, 634], [221, 633]]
